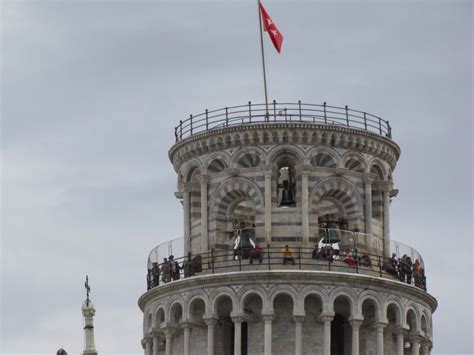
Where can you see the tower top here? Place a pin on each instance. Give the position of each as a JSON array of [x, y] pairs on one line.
[[88, 312]]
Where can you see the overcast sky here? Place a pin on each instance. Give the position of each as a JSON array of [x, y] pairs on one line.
[[91, 91]]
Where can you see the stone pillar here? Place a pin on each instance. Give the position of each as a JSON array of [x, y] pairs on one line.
[[88, 312], [355, 324], [379, 327], [156, 342], [211, 323], [267, 349], [298, 334], [368, 204], [148, 346], [327, 334], [400, 349], [187, 335], [168, 339], [204, 179], [304, 172], [237, 335], [187, 217], [387, 187], [267, 172], [415, 344], [425, 348]]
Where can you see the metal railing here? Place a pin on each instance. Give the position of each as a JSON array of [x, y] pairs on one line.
[[365, 250], [281, 113]]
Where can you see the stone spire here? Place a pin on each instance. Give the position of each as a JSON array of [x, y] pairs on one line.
[[88, 311]]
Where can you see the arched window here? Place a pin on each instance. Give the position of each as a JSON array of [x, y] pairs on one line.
[[286, 181]]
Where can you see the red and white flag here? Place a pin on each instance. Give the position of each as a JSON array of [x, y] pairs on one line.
[[270, 27]]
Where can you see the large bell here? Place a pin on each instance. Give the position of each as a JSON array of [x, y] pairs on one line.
[[286, 195]]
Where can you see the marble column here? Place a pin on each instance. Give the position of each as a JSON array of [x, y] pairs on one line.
[[186, 337], [387, 187], [379, 328], [368, 204], [355, 324], [204, 179], [211, 323], [268, 319], [425, 348], [148, 346], [156, 342], [187, 217], [415, 344], [400, 348], [298, 334], [168, 331], [237, 335], [304, 172], [327, 334], [267, 172]]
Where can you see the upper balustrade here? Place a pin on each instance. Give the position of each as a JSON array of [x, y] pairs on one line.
[[281, 113], [337, 250]]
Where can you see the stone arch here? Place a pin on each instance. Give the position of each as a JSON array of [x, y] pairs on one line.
[[192, 169], [377, 167], [248, 157], [317, 291], [160, 316], [284, 290], [323, 157], [216, 294], [195, 297], [374, 297], [176, 312], [235, 187], [394, 303], [217, 162], [338, 189], [279, 150], [148, 323], [347, 293], [411, 317], [256, 290], [354, 161]]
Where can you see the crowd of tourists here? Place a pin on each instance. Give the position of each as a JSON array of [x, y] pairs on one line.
[[406, 271]]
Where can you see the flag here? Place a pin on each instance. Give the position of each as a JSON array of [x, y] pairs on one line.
[[270, 27]]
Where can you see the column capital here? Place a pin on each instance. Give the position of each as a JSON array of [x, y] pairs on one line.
[[168, 331], [368, 178], [267, 169], [238, 319], [415, 337], [186, 324], [398, 330], [210, 322], [386, 186], [379, 325], [326, 318], [355, 322], [426, 345], [187, 187], [204, 179], [267, 317], [298, 319]]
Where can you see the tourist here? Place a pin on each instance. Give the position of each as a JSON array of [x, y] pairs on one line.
[[256, 253], [187, 266], [165, 271], [288, 255], [364, 260], [409, 270], [402, 268], [316, 254], [348, 259]]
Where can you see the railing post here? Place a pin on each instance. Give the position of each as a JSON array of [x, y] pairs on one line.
[[329, 262], [250, 112], [357, 260], [212, 259], [299, 258], [176, 133], [389, 130], [325, 116], [207, 119], [180, 129], [365, 121], [380, 126], [240, 259], [191, 124], [299, 109], [226, 117], [268, 256], [347, 116], [274, 110]]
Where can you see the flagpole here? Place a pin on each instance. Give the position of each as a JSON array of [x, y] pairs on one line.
[[267, 116]]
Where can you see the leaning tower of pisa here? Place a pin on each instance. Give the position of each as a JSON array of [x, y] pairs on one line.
[[286, 244]]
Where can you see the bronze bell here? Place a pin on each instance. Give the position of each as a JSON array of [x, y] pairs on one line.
[[286, 195]]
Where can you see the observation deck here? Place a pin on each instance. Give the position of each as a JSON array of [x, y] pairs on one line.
[[286, 112], [355, 253]]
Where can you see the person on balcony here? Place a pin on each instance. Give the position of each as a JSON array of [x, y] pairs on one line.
[[392, 265], [187, 266], [155, 275], [256, 253], [365, 261], [165, 271], [409, 269], [175, 268], [348, 259], [417, 273], [327, 253], [288, 255], [317, 253], [402, 268]]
